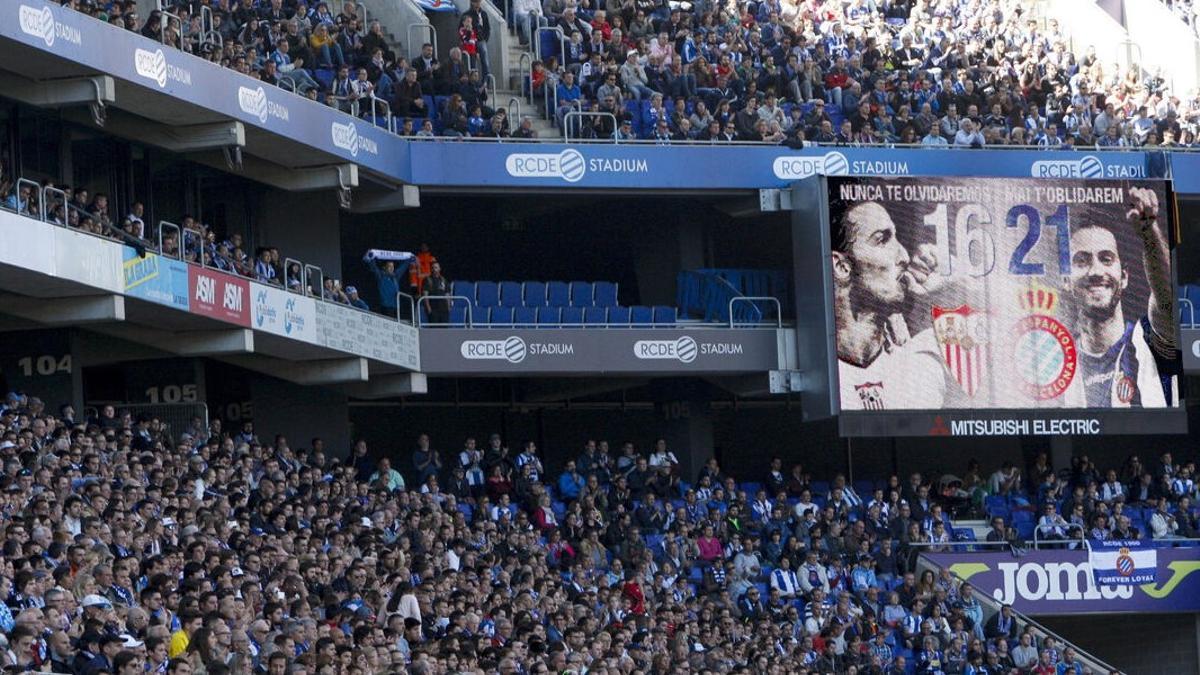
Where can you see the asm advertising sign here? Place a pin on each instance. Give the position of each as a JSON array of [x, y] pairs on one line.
[[1062, 582], [219, 295]]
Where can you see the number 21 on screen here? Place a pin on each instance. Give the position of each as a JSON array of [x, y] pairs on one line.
[[976, 249]]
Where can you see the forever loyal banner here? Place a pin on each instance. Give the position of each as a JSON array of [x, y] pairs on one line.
[[1062, 581], [1123, 562]]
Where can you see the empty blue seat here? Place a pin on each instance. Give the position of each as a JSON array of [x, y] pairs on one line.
[[458, 313], [480, 315], [524, 317], [487, 293], [571, 316], [664, 316], [463, 288], [501, 316], [558, 294], [510, 294], [430, 110], [605, 294], [641, 316], [618, 316], [595, 316], [581, 294], [548, 316], [534, 294], [324, 77]]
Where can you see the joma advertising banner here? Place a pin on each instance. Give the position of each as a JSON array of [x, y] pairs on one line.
[[1062, 581]]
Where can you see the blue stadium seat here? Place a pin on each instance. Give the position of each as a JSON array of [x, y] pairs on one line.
[[618, 316], [463, 288], [605, 294], [501, 316], [641, 316], [571, 316], [595, 316], [458, 313], [534, 294], [324, 77], [487, 293], [664, 317], [524, 317], [558, 294], [510, 294], [480, 315], [548, 316], [581, 294], [430, 111]]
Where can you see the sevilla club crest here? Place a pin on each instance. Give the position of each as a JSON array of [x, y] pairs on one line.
[[962, 334], [871, 395]]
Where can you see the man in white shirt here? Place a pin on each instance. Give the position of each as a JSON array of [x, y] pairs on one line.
[[875, 281], [784, 579], [968, 135]]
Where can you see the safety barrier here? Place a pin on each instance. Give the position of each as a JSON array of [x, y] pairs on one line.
[[585, 114], [421, 27]]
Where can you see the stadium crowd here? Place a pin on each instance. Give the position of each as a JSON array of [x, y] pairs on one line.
[[131, 547], [79, 209], [855, 73]]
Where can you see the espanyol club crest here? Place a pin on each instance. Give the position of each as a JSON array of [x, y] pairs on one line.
[[962, 335], [1126, 389], [871, 395], [1044, 354], [1125, 566]]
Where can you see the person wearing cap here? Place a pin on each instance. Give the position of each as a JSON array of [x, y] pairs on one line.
[[355, 301], [633, 77]]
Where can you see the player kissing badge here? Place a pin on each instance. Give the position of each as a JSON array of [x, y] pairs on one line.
[[1044, 354], [962, 335]]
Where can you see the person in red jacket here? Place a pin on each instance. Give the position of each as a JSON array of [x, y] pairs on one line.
[[467, 38]]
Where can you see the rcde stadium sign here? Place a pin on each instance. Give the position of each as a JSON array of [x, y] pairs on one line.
[[534, 352], [1061, 582]]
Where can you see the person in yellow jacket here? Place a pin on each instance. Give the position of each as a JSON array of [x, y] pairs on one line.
[[189, 623]]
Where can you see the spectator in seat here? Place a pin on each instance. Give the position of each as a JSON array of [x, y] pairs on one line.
[[408, 96], [569, 96], [633, 76], [288, 69], [968, 135], [426, 66], [570, 482], [356, 301]]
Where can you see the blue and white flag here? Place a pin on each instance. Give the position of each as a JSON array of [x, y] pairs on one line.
[[436, 5], [1123, 562]]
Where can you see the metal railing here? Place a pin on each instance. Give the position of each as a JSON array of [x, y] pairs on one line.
[[514, 116], [47, 209], [1191, 309], [1039, 541], [580, 115], [319, 291], [162, 227], [35, 197], [387, 111], [992, 607], [536, 37], [492, 97], [428, 30], [412, 308], [525, 68], [449, 310], [288, 263], [752, 299]]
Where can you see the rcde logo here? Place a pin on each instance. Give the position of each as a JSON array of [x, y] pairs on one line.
[[795, 167], [682, 349], [569, 165], [153, 65], [345, 136], [253, 102], [511, 349], [514, 349], [40, 23], [835, 164], [1088, 166]]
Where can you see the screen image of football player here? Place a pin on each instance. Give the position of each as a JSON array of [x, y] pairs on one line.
[[1124, 363], [876, 279]]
